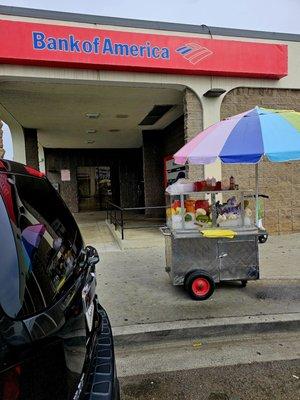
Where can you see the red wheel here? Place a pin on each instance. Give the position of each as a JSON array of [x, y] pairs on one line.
[[200, 285]]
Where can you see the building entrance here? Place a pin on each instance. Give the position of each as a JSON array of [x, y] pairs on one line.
[[94, 187]]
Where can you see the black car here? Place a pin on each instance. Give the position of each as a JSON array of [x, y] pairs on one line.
[[55, 338]]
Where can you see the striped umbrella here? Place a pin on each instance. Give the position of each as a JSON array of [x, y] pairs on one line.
[[246, 138]]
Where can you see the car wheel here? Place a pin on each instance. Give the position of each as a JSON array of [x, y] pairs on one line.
[[200, 285], [244, 282]]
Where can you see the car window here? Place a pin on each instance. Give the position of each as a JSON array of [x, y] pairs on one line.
[[47, 240], [9, 269]]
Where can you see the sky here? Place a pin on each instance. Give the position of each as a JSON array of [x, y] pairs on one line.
[[264, 15], [268, 15]]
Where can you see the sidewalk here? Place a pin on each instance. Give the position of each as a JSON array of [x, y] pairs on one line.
[[135, 289], [95, 231], [280, 257]]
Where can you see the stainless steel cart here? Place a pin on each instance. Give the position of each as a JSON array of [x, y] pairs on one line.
[[199, 262]]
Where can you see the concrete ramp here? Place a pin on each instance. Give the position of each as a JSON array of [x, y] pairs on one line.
[[95, 231], [137, 238]]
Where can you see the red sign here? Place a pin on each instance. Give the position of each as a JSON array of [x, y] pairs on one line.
[[66, 46], [172, 171]]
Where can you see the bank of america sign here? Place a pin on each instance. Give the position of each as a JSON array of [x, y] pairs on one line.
[[28, 43], [194, 52]]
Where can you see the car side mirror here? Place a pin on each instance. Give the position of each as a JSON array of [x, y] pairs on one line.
[[92, 255]]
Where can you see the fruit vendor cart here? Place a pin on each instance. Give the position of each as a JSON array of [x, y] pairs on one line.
[[201, 250], [212, 234]]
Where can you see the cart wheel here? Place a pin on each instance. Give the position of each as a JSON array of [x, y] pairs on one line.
[[262, 238], [244, 282], [200, 285]]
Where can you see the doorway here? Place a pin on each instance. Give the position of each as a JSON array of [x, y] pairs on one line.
[[94, 187]]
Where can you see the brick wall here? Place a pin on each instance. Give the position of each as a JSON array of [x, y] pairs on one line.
[[130, 179], [31, 147], [157, 145], [281, 181], [1, 141], [153, 171], [193, 124]]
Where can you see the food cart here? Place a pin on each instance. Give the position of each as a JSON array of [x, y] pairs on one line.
[[203, 247], [191, 252]]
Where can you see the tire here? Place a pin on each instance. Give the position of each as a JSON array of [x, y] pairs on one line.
[[244, 282], [200, 285], [262, 238], [117, 395]]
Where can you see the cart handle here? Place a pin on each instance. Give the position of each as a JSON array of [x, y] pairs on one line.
[[165, 231]]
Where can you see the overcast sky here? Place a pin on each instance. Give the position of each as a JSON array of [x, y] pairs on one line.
[[266, 15]]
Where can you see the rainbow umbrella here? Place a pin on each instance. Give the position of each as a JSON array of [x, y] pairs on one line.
[[246, 138]]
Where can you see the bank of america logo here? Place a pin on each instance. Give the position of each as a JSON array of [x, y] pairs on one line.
[[193, 52]]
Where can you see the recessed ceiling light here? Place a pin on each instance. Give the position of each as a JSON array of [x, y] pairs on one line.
[[114, 130], [92, 115], [90, 141], [122, 116], [91, 131]]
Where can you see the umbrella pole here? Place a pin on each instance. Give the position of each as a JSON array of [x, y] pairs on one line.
[[256, 194]]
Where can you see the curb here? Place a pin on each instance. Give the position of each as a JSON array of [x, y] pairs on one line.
[[146, 333], [114, 234]]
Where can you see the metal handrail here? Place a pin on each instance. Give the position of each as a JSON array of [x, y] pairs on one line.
[[118, 221]]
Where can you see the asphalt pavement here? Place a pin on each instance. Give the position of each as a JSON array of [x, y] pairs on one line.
[[277, 380]]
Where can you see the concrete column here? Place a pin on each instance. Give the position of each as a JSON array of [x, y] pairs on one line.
[[153, 171], [193, 124], [18, 142], [42, 165], [201, 112], [17, 135], [31, 147], [1, 141], [211, 115]]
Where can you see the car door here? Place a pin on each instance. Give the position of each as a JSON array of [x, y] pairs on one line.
[[52, 275]]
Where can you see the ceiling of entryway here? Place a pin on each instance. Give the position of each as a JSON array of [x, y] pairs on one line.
[[58, 112]]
